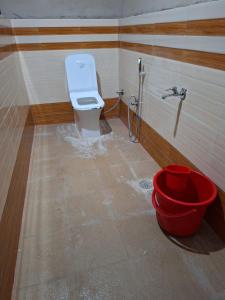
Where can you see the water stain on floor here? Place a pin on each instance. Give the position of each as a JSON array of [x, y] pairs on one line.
[[89, 230]]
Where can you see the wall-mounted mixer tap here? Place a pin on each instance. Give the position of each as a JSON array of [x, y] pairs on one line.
[[175, 93]]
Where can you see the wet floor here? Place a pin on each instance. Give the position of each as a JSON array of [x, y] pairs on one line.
[[89, 230]]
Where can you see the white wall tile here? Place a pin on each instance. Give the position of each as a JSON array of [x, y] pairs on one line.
[[199, 43], [44, 73], [63, 22], [200, 135]]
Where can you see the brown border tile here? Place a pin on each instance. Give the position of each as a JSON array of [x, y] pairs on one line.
[[6, 30], [7, 50], [62, 112], [12, 214], [201, 58], [210, 27], [65, 30], [67, 45]]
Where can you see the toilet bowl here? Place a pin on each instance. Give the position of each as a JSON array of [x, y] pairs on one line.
[[83, 93]]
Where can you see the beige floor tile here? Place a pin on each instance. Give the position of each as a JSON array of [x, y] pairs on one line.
[[122, 202], [85, 209], [118, 128], [43, 260], [106, 177], [115, 281], [208, 271], [207, 263], [141, 235], [55, 142], [133, 152], [45, 218], [122, 172], [74, 166], [84, 183], [112, 282], [161, 275], [44, 169], [90, 230], [96, 245], [46, 129], [53, 290], [57, 150], [44, 152], [48, 139], [145, 169], [49, 188], [110, 158]]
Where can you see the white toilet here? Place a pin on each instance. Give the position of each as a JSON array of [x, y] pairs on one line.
[[83, 92]]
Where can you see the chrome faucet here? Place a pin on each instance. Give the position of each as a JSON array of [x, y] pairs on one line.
[[175, 93]]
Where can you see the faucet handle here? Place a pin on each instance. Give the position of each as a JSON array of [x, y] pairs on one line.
[[183, 93], [173, 89]]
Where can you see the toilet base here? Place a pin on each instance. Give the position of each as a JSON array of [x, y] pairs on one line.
[[88, 122]]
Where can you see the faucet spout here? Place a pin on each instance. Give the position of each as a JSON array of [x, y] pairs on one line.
[[166, 96], [175, 93]]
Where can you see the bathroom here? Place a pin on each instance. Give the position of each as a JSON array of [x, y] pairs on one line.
[[98, 98]]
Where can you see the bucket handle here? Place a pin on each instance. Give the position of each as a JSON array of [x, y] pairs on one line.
[[180, 215]]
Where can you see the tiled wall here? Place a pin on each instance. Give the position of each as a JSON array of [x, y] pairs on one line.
[[44, 71], [200, 134], [13, 110]]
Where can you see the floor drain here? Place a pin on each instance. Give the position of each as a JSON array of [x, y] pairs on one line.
[[146, 184]]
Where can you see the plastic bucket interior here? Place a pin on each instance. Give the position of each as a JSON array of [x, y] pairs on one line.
[[177, 177], [199, 192], [177, 224]]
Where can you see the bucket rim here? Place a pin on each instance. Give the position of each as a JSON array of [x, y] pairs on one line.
[[190, 204], [172, 169]]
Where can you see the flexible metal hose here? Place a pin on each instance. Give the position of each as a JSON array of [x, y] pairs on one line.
[[113, 107], [131, 136], [128, 117], [139, 104], [119, 93]]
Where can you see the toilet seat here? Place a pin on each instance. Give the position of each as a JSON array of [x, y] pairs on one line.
[[86, 100], [83, 92]]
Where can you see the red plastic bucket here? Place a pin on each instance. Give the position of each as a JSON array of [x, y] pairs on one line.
[[198, 193], [179, 224], [181, 199]]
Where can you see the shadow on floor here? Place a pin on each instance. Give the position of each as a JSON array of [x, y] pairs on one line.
[[204, 241], [105, 128]]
